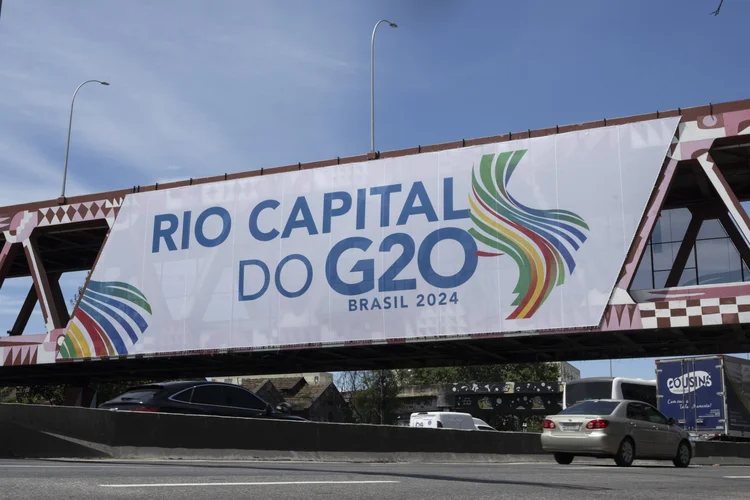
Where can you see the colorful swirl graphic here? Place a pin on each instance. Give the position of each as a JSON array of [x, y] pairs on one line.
[[108, 314], [541, 242]]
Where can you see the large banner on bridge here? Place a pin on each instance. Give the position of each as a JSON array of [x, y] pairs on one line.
[[517, 236]]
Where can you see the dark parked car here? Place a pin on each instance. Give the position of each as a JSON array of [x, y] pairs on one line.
[[198, 398]]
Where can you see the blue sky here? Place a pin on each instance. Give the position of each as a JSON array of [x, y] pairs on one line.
[[201, 88]]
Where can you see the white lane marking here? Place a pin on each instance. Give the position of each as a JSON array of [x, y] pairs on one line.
[[274, 483], [736, 477]]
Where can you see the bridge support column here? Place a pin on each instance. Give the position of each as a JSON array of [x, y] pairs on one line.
[[58, 297], [734, 207], [25, 313], [7, 253], [736, 237], [688, 242], [53, 318]]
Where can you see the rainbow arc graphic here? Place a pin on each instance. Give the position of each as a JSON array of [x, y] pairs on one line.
[[541, 242], [110, 316]]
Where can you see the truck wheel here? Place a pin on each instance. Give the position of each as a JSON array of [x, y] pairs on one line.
[[626, 453], [682, 459], [563, 458]]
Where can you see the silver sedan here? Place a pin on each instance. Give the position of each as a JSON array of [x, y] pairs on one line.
[[623, 430]]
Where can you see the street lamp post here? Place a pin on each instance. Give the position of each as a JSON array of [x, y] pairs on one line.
[[372, 81], [70, 124]]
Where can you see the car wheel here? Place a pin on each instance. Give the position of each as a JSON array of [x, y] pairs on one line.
[[626, 453], [682, 459], [563, 458]]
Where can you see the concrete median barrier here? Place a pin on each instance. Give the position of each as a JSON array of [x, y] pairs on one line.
[[30, 431], [56, 432], [722, 453]]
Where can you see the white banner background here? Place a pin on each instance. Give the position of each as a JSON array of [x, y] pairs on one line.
[[604, 175]]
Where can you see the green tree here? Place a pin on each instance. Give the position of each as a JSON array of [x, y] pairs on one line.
[[40, 394], [372, 394], [74, 300], [526, 372], [7, 395]]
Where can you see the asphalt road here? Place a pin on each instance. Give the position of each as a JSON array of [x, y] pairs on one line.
[[69, 480]]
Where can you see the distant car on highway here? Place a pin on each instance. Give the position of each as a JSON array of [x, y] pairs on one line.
[[198, 398], [623, 430]]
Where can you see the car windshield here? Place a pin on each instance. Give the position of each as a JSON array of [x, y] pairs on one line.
[[591, 408]]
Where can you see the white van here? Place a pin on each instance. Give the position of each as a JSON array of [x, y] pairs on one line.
[[443, 420]]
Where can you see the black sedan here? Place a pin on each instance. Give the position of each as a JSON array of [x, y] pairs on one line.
[[198, 398]]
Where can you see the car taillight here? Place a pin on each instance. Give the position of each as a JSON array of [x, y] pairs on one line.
[[149, 409], [549, 424], [597, 424]]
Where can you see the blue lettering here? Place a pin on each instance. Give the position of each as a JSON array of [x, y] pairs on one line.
[[387, 303], [308, 280], [165, 233], [226, 221], [300, 208], [352, 304], [385, 201], [361, 208], [470, 257], [266, 279], [363, 304], [187, 216], [253, 222], [388, 282], [448, 212], [375, 304], [329, 212], [365, 266], [417, 191]]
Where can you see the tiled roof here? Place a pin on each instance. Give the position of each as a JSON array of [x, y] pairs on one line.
[[253, 385], [286, 383], [307, 396]]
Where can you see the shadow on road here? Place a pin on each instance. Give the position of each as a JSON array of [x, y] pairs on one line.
[[380, 473]]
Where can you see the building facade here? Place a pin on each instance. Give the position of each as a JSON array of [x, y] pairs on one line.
[[568, 372]]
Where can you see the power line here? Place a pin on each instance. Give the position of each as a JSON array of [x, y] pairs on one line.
[[715, 13]]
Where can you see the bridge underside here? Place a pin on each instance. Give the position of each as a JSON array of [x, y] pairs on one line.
[[683, 290], [539, 348]]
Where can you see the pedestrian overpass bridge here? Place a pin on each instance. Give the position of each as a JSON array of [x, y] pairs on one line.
[[683, 287]]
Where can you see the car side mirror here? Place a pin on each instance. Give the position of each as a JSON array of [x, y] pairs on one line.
[[284, 408], [671, 421]]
